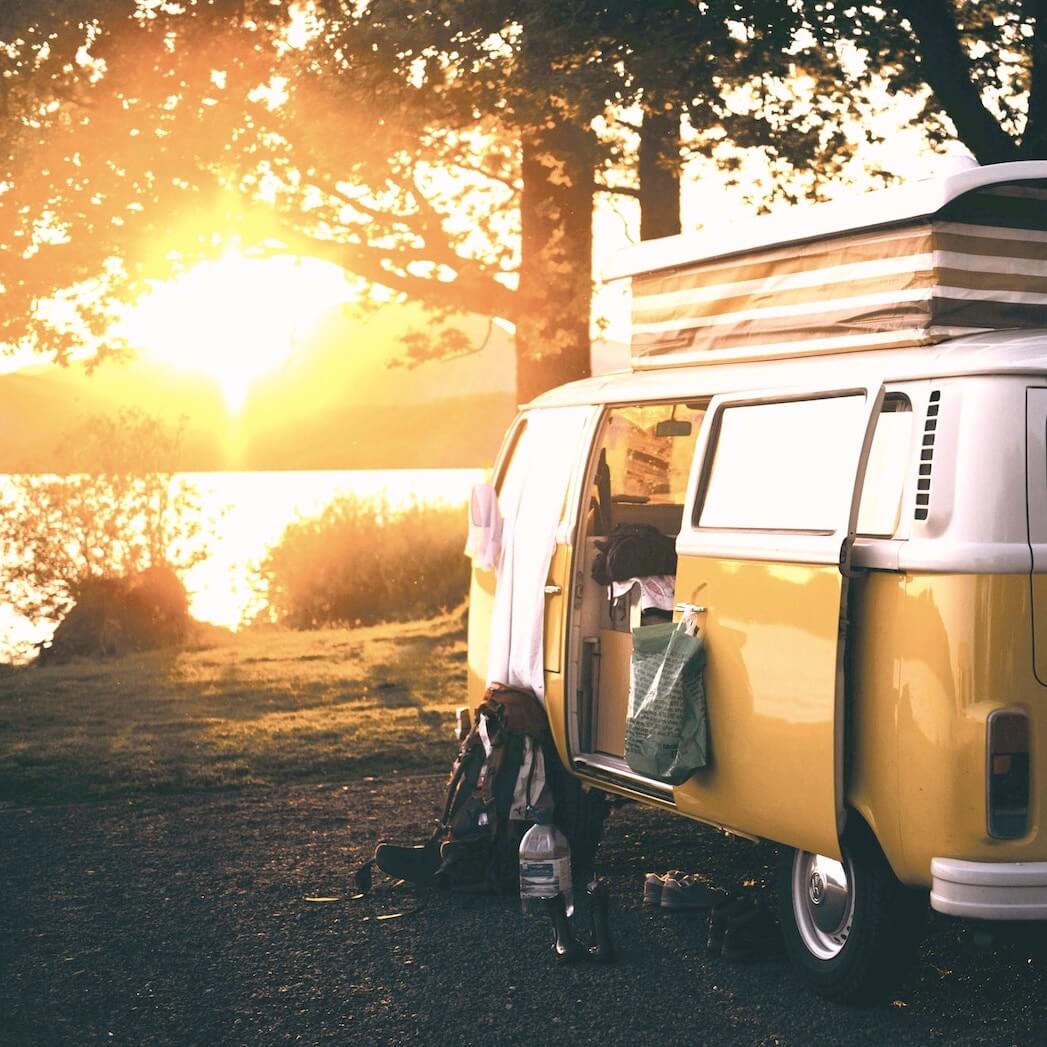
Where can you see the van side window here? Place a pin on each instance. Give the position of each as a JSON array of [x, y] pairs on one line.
[[881, 505], [786, 466], [510, 469], [645, 454]]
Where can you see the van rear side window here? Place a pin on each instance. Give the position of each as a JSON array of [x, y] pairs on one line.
[[887, 471], [785, 466]]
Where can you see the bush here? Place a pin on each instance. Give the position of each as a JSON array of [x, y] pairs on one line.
[[360, 563]]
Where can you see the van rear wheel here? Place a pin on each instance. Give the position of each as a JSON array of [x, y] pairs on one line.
[[848, 926]]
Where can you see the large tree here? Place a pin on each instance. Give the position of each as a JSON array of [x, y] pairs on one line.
[[444, 150], [449, 151]]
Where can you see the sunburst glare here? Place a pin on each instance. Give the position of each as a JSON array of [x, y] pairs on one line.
[[235, 319]]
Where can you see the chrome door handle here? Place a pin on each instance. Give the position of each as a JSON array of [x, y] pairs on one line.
[[693, 608], [553, 590]]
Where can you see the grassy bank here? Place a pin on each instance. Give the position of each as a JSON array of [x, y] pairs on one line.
[[250, 709]]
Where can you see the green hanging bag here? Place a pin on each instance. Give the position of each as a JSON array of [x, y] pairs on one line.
[[666, 735]]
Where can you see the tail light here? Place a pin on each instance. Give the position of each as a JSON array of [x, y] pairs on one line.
[[1008, 774]]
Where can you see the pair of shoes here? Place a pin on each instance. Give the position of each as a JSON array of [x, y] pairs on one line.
[[679, 891], [654, 886], [742, 929]]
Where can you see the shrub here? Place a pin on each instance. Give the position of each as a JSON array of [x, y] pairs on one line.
[[117, 512], [360, 563]]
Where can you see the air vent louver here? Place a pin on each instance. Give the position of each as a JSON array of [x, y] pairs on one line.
[[923, 482]]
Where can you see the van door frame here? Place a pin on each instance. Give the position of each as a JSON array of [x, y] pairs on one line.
[[585, 478], [698, 797]]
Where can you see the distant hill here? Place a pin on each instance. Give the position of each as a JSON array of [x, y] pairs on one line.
[[340, 401], [337, 403]]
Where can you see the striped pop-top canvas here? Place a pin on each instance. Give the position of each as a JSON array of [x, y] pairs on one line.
[[978, 263]]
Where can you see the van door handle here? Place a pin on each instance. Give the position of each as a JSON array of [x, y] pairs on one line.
[[553, 590], [693, 608]]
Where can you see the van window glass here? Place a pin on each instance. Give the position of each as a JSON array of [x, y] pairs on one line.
[[511, 469], [888, 467], [646, 452], [785, 466]]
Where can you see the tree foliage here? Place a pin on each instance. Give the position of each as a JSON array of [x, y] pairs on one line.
[[449, 151], [59, 533], [360, 563]]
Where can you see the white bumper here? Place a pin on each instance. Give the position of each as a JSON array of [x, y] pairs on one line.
[[989, 890]]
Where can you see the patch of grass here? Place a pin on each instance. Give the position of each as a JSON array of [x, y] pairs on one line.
[[249, 709]]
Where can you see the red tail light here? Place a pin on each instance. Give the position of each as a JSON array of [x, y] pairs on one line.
[[1008, 773]]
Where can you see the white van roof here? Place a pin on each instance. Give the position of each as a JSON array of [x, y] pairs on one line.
[[991, 353], [911, 266]]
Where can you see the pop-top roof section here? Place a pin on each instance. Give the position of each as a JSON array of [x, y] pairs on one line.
[[902, 203], [912, 266]]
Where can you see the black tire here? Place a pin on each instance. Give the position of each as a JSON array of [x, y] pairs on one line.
[[850, 928], [580, 815]]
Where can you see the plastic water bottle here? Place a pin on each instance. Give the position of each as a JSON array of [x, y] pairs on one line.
[[545, 863]]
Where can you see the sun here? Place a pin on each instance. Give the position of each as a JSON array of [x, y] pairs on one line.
[[235, 319]]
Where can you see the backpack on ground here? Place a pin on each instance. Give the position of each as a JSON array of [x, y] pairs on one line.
[[498, 774], [633, 551]]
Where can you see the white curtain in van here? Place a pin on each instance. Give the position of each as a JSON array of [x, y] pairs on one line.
[[532, 501]]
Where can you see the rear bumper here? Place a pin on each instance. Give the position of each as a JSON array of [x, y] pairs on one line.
[[989, 890]]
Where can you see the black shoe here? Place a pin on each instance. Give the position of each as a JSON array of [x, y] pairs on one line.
[[601, 949], [752, 937], [566, 947], [723, 916], [419, 865]]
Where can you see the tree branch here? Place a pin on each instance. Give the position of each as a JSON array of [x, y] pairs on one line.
[[618, 190], [484, 296], [947, 70]]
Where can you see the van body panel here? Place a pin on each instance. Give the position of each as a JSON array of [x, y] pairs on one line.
[[771, 635], [481, 610], [556, 710], [873, 687], [937, 654], [557, 590], [1036, 501]]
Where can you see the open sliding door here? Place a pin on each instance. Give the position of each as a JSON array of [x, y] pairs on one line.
[[765, 549]]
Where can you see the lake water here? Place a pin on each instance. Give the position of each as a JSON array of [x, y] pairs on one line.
[[250, 512]]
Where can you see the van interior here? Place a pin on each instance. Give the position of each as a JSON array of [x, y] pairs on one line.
[[638, 475]]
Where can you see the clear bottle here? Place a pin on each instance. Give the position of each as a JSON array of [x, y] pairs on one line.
[[545, 863]]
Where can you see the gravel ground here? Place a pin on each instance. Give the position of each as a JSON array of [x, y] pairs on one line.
[[184, 920]]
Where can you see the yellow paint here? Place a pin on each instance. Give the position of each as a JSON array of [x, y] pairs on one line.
[[559, 575], [770, 679], [935, 655], [481, 607], [931, 656], [1039, 612]]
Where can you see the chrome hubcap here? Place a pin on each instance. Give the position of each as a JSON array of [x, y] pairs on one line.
[[823, 902]]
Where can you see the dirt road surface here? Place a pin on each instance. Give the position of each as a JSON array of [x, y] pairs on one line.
[[185, 920]]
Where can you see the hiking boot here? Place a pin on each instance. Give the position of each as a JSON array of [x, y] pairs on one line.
[[722, 917], [418, 865], [689, 893], [654, 886]]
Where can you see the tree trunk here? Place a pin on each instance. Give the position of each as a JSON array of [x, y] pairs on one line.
[[659, 167], [555, 291], [1034, 137]]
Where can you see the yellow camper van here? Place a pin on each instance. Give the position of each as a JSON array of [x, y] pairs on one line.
[[840, 417]]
